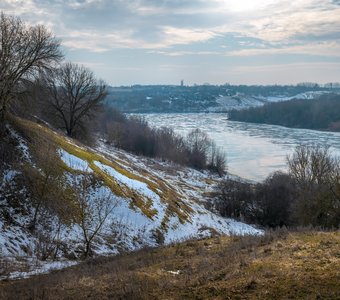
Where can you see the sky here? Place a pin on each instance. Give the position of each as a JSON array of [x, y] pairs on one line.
[[129, 42]]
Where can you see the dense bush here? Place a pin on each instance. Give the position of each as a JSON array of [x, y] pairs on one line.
[[267, 203], [308, 195], [273, 200], [134, 134], [323, 113], [317, 176], [233, 197]]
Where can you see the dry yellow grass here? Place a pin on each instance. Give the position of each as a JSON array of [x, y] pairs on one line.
[[39, 136], [280, 265]]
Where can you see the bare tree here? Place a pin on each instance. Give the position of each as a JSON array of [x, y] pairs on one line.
[[217, 159], [233, 198], [170, 145], [24, 51], [311, 164], [74, 94], [316, 172], [94, 210], [198, 143]]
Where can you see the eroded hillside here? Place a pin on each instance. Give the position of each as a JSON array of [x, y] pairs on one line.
[[148, 202]]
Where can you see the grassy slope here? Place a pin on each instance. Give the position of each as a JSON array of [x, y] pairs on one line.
[[302, 265], [42, 137]]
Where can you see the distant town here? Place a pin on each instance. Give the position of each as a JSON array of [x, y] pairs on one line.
[[207, 97]]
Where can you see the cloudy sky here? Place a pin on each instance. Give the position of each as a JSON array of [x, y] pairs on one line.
[[216, 41]]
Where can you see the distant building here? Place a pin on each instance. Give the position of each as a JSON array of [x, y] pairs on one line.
[[182, 82]]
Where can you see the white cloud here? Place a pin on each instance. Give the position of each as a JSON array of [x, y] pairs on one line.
[[286, 67], [175, 36], [184, 53], [220, 31], [155, 24], [320, 49], [23, 7], [295, 19], [97, 42], [283, 73]]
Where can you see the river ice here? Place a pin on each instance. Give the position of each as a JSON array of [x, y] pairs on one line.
[[253, 150]]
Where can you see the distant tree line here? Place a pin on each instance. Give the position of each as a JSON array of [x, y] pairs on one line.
[[133, 134], [197, 98], [309, 194], [319, 114]]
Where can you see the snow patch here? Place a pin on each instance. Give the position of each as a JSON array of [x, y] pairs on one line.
[[174, 272], [7, 177], [138, 186], [73, 161], [203, 224], [241, 101], [40, 267], [133, 184]]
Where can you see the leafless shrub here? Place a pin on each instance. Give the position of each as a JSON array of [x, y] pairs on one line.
[[232, 198], [198, 144], [317, 174], [311, 165], [268, 203], [93, 210], [217, 161], [46, 186], [49, 243], [308, 195], [134, 134]]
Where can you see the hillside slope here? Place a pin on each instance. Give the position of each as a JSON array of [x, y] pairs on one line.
[[279, 265], [240, 101], [152, 202]]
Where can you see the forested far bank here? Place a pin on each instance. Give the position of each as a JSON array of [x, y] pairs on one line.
[[318, 114]]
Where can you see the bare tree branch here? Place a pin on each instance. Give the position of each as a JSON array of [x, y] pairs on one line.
[[74, 93], [24, 51]]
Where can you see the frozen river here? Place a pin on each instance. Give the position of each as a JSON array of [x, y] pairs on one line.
[[253, 150]]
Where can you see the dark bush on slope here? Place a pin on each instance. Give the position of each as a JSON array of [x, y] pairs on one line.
[[134, 134], [309, 195], [267, 203]]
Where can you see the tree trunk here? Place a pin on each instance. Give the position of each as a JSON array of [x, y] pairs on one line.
[[87, 249], [2, 113]]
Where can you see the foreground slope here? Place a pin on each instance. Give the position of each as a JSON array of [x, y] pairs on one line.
[[279, 265], [154, 202]]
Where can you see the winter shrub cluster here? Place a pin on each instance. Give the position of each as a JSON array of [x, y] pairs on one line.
[[309, 194], [134, 134]]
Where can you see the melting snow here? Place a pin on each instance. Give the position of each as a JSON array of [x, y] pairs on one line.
[[74, 162], [40, 267], [133, 184], [127, 227], [202, 223], [8, 176], [174, 272], [140, 187]]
